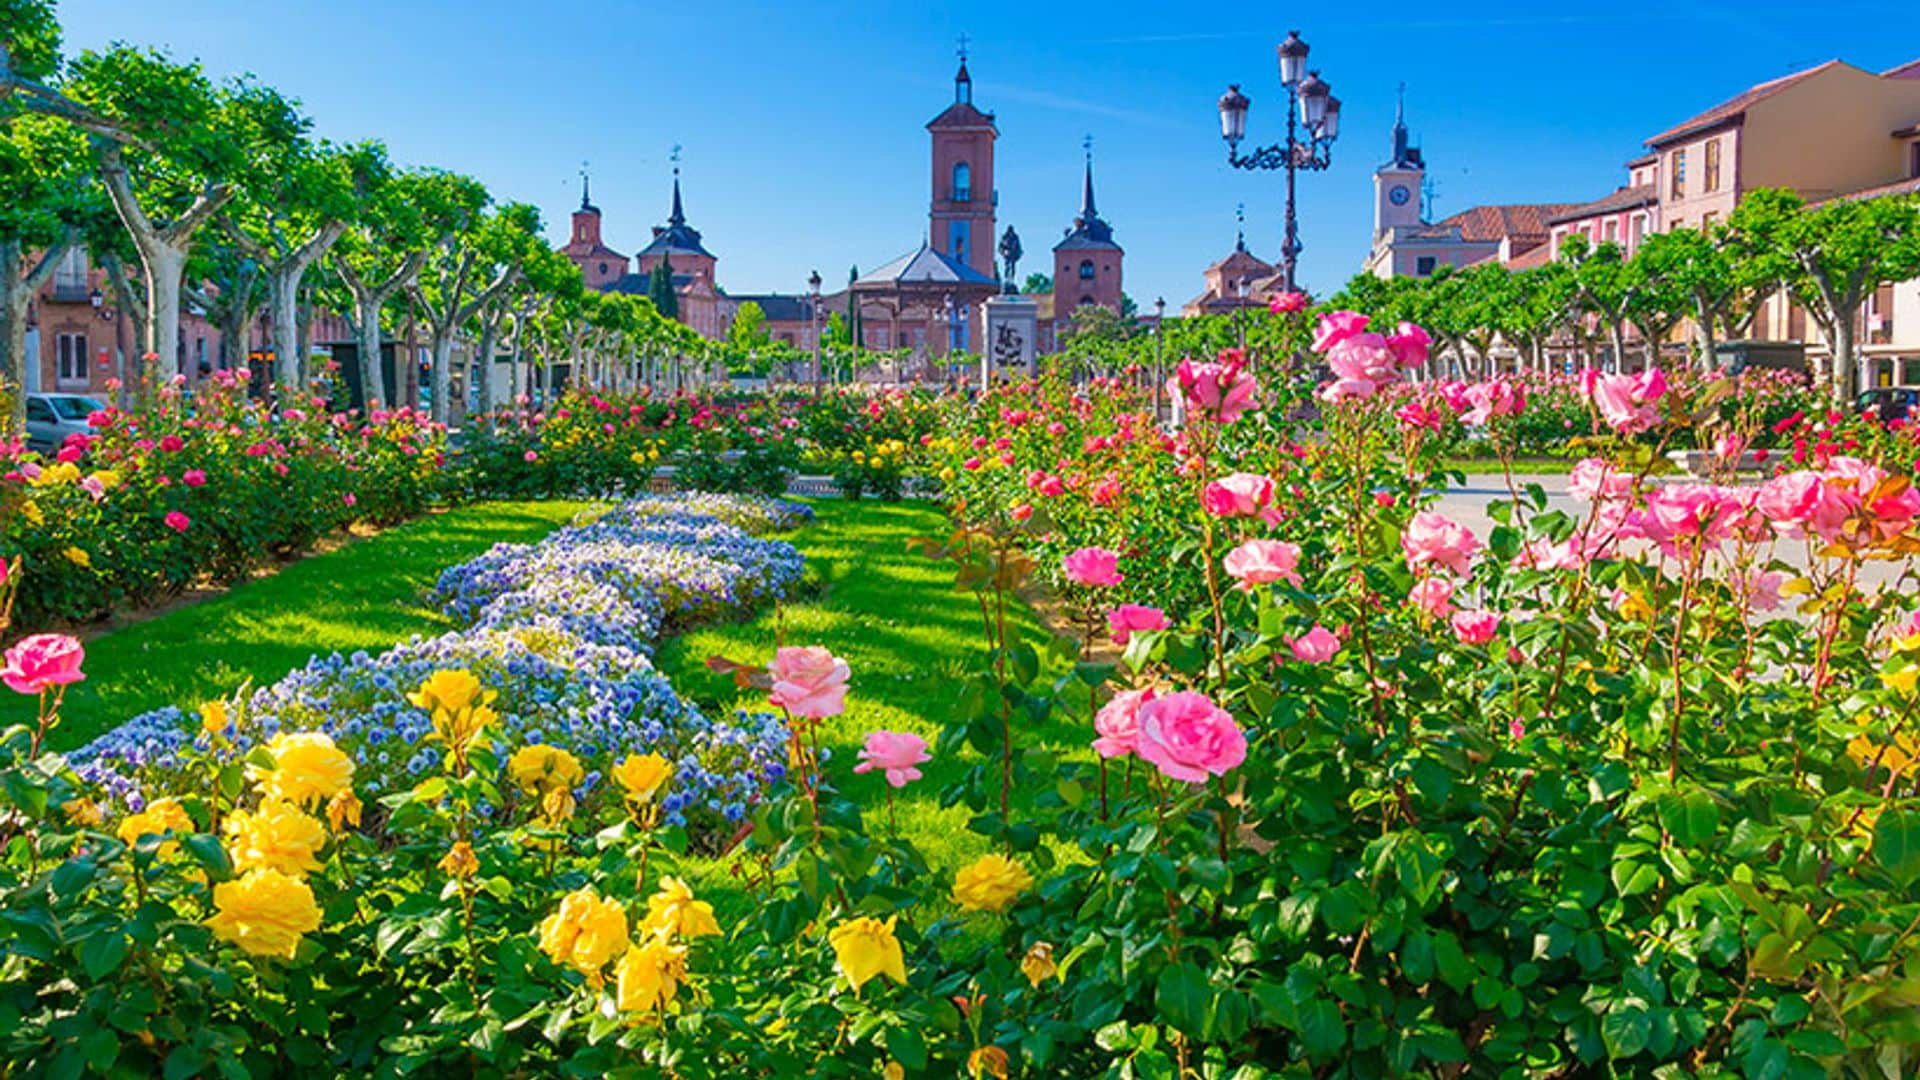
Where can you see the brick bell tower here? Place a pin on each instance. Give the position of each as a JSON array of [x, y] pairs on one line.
[[962, 210]]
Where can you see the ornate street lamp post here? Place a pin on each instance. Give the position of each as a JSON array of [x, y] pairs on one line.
[[1310, 105], [813, 322]]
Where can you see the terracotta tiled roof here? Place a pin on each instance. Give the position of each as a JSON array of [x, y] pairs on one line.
[[961, 115], [1240, 257], [1487, 224], [1909, 186], [1533, 258], [1908, 70], [1627, 198], [1737, 105], [1644, 159]]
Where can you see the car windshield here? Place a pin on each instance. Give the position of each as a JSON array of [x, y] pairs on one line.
[[75, 408]]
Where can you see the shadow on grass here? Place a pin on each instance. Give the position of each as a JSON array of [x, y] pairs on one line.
[[367, 595]]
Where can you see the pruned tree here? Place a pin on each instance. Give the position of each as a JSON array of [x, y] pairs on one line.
[[171, 184], [463, 276], [48, 203]]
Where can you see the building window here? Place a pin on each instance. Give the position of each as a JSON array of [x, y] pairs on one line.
[[1638, 230], [603, 268], [1086, 270], [1913, 165], [1423, 266], [1706, 221], [1679, 174], [957, 237], [1711, 181], [71, 350], [70, 278], [1612, 228], [962, 183], [200, 354]]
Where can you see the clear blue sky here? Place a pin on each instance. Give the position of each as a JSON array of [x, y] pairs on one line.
[[803, 123]]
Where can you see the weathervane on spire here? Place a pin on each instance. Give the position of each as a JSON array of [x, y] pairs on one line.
[[675, 157], [1087, 145], [585, 202], [1240, 227], [962, 50]]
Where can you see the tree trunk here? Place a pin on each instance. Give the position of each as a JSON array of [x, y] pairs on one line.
[[1845, 364], [18, 283], [283, 290]]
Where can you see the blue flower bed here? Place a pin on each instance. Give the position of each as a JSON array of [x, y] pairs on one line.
[[562, 630]]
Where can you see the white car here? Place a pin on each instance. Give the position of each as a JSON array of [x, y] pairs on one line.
[[53, 417]]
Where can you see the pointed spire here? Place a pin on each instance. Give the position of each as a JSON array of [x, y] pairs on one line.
[[1087, 212], [679, 216], [962, 82], [586, 202]]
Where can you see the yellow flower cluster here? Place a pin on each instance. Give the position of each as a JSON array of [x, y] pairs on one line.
[[585, 933], [159, 817], [277, 836], [264, 912], [990, 883], [307, 768], [550, 774], [865, 947], [458, 706]]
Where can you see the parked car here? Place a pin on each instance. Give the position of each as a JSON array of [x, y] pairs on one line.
[[53, 417], [1889, 403]]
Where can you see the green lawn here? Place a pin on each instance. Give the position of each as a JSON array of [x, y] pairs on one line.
[[366, 595], [894, 616]]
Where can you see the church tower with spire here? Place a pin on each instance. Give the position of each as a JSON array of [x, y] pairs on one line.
[[1396, 184], [961, 214], [600, 265], [1087, 261]]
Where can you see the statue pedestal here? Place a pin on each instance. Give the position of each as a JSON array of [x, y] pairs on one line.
[[1013, 326]]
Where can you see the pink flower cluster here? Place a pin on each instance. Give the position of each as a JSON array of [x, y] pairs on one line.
[[1220, 390], [1093, 567], [1432, 539], [1625, 402], [1241, 495], [1364, 362], [1183, 734]]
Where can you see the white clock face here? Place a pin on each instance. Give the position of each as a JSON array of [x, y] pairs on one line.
[[1398, 195]]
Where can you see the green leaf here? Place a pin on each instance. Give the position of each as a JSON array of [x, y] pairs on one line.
[[71, 877], [206, 850], [1691, 818], [1625, 1031], [907, 1046], [1896, 844], [1182, 997], [102, 953], [1321, 1027]]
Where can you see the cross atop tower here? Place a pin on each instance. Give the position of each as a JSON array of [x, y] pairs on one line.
[[1240, 227], [586, 203], [962, 50]]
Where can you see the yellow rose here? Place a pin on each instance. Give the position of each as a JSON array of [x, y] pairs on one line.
[[990, 883], [1904, 681], [1038, 964], [277, 836], [557, 805], [988, 1061], [60, 472], [673, 912], [307, 768], [1894, 758], [643, 775], [544, 768], [214, 719], [83, 812], [1634, 608], [343, 810], [33, 513], [160, 816], [451, 691], [649, 975], [264, 912], [460, 861], [78, 557], [865, 947], [585, 933]]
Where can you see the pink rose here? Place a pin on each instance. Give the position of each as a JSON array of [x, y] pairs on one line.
[[1434, 596], [1488, 400], [1315, 646], [1759, 590], [895, 753], [1093, 567], [1593, 480], [809, 682], [193, 478], [1432, 539], [177, 521], [1238, 495], [1287, 303], [1625, 402], [172, 444], [1475, 627], [40, 661], [530, 457], [1410, 344], [1336, 327], [1118, 724], [1124, 620], [1362, 365], [1263, 562], [1189, 737], [1219, 390]]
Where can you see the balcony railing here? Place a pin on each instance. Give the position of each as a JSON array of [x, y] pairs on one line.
[[963, 194], [70, 290]]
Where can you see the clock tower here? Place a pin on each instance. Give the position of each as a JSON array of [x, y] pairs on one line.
[[1396, 185]]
